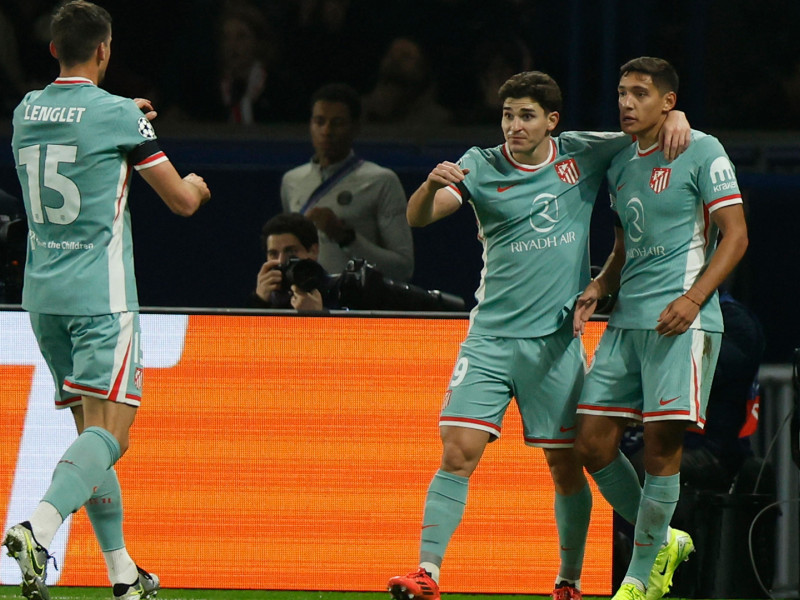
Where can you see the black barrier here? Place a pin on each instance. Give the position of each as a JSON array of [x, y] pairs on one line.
[[723, 565]]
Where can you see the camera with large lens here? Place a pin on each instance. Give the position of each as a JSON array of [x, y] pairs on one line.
[[305, 273], [362, 287]]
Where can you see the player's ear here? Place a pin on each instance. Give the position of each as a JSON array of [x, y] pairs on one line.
[[670, 99], [101, 52], [552, 120], [53, 51]]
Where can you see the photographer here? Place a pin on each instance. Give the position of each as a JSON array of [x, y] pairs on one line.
[[292, 277], [284, 237]]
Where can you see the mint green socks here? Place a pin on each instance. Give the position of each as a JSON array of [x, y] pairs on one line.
[[659, 497], [444, 508], [572, 520], [83, 467], [619, 485]]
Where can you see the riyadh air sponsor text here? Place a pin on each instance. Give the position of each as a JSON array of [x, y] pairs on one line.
[[646, 251], [543, 243]]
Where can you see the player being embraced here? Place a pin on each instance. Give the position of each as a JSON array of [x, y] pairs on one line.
[[656, 359], [533, 198], [75, 147]]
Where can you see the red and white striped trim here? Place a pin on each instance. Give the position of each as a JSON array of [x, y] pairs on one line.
[[151, 161]]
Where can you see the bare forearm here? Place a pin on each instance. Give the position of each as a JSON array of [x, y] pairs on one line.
[[730, 251], [421, 207], [610, 274]]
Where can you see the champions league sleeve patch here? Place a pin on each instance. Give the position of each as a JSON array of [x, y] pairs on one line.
[[146, 129]]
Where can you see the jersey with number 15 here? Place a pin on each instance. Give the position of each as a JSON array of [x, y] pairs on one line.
[[75, 146]]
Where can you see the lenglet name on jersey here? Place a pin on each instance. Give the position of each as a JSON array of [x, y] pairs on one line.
[[54, 114], [543, 242]]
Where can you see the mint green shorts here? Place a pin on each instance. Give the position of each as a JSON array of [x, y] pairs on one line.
[[98, 356], [641, 375], [544, 374]]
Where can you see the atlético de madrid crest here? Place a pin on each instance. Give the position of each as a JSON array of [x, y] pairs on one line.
[[659, 179], [567, 171]]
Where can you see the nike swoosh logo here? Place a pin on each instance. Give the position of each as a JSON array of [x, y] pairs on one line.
[[565, 549], [643, 545], [566, 429], [622, 186], [502, 189], [663, 402], [434, 525], [38, 568], [664, 570]]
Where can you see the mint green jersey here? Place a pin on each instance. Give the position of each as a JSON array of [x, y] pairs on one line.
[[533, 222], [75, 146], [669, 238]]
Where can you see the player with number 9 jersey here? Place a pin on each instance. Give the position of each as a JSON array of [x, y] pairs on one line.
[[533, 222]]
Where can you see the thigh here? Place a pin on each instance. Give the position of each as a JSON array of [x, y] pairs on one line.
[[677, 373], [548, 377], [480, 388]]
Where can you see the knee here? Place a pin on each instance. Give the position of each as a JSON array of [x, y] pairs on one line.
[[592, 454], [566, 471], [456, 460]]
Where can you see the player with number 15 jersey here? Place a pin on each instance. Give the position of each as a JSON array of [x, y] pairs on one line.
[[75, 145]]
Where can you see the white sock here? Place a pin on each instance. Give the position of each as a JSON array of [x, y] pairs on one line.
[[574, 582], [432, 569], [639, 585], [121, 568], [45, 522]]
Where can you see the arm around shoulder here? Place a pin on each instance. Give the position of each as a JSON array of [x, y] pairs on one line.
[[184, 195]]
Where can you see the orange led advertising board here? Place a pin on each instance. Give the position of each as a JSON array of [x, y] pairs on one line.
[[284, 452]]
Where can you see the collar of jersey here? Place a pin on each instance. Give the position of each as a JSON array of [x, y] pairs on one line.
[[530, 168], [72, 80], [646, 151]]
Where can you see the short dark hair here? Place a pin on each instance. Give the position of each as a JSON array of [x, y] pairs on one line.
[[664, 75], [537, 86], [299, 225], [77, 28], [339, 92]]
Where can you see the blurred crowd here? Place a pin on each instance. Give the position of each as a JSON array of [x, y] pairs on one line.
[[258, 61], [420, 63]]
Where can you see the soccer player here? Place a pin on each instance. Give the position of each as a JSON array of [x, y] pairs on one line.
[[533, 198], [75, 147], [656, 360]]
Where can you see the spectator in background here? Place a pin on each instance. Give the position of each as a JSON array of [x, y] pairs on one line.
[[496, 60], [405, 92], [12, 85], [341, 40], [291, 277], [284, 237], [246, 51], [247, 85], [358, 207]]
